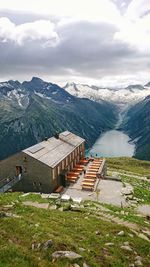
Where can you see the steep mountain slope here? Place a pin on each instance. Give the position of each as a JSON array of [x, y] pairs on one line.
[[32, 110], [122, 96], [137, 125]]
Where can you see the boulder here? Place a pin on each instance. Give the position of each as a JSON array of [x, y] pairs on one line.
[[53, 207], [54, 195], [127, 248], [138, 263], [47, 244], [128, 190], [65, 197], [109, 244], [77, 200], [121, 233], [66, 254]]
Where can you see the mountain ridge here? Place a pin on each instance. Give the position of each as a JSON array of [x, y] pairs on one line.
[[31, 110], [121, 96]]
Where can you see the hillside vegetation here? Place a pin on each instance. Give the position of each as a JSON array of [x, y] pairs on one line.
[[31, 111], [103, 235], [137, 125]]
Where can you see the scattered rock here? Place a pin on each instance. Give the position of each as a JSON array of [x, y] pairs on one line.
[[138, 263], [126, 243], [122, 212], [128, 190], [121, 233], [8, 206], [85, 265], [47, 244], [77, 200], [65, 197], [138, 258], [109, 244], [76, 208], [9, 214], [54, 196], [131, 235], [131, 265], [82, 249], [97, 232], [45, 195], [66, 254], [24, 195], [61, 209], [75, 265], [53, 207], [143, 237], [36, 204], [127, 248], [33, 246]]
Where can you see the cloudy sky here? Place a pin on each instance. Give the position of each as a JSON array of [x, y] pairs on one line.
[[101, 42]]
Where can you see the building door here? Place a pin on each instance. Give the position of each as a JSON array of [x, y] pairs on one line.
[[18, 170]]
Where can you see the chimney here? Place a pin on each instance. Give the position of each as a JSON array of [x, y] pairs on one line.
[[56, 135]]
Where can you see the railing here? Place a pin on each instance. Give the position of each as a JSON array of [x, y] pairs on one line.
[[5, 187]]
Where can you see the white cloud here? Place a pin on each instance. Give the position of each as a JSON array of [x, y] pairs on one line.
[[91, 10], [137, 8], [102, 41], [136, 32], [42, 30]]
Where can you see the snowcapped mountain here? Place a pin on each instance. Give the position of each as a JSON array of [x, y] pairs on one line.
[[122, 96], [19, 94], [31, 110]]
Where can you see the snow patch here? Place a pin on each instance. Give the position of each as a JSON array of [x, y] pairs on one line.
[[120, 96], [41, 95]]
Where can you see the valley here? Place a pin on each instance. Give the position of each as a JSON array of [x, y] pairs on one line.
[[33, 110]]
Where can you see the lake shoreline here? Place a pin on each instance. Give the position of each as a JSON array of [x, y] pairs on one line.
[[112, 143]]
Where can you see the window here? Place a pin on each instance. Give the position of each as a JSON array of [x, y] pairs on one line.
[[54, 174], [58, 170], [63, 164]]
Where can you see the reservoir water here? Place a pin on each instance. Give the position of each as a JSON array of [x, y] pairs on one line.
[[113, 143]]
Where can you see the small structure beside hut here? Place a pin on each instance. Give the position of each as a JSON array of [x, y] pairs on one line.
[[44, 167]]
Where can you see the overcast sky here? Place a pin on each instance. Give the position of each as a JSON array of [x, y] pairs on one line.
[[101, 42]]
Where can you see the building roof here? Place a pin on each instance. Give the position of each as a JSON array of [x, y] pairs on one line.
[[54, 150]]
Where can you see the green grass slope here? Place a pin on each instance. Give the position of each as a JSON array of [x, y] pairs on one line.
[[82, 232]]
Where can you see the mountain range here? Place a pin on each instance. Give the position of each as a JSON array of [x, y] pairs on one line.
[[121, 96], [33, 110]]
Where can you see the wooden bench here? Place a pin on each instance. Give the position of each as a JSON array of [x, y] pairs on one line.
[[78, 169], [73, 173], [72, 178], [88, 183], [93, 169], [91, 173], [79, 166], [89, 180]]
